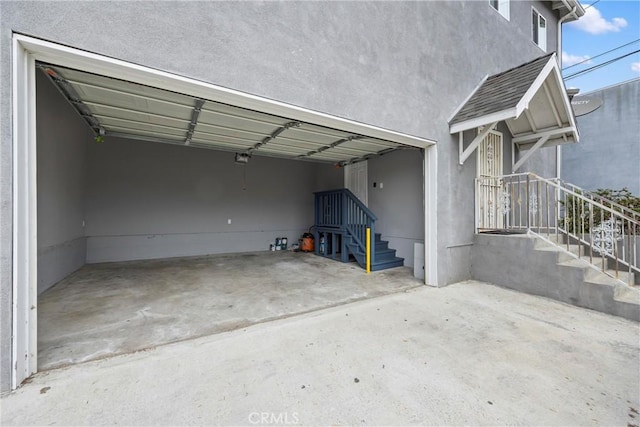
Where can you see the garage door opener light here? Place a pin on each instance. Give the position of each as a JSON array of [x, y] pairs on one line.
[[242, 158]]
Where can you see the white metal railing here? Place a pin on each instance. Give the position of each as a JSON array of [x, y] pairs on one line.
[[588, 226], [634, 215]]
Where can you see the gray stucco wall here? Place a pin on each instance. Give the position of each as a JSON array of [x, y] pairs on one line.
[[542, 163], [328, 177], [6, 206], [62, 137], [399, 203], [149, 200], [469, 55], [405, 66], [608, 154]]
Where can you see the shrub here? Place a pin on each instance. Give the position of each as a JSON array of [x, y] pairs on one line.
[[577, 218]]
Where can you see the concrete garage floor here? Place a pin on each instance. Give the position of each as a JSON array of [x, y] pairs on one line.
[[469, 353], [114, 308]]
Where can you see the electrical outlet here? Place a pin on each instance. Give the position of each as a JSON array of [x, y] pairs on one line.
[[381, 185]]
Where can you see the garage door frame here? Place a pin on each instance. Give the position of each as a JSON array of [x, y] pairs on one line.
[[26, 51]]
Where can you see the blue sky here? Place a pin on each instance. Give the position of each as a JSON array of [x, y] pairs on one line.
[[606, 25]]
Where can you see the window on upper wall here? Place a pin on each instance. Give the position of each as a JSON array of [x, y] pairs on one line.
[[502, 6], [539, 29]]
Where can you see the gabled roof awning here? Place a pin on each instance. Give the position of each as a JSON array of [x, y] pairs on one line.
[[531, 99]]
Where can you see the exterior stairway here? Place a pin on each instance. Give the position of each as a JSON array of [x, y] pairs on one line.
[[551, 238], [340, 229], [528, 263], [384, 257], [578, 254]]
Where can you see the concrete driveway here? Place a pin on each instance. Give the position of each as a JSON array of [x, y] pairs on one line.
[[470, 353]]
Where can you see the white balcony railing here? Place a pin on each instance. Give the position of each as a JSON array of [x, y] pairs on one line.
[[591, 228]]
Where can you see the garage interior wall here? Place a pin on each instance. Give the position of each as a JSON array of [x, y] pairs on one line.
[[149, 200], [399, 203], [61, 158]]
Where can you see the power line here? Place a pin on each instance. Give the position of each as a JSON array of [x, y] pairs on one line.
[[595, 67], [588, 6], [600, 54]]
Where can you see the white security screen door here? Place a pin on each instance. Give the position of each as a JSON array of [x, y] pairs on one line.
[[490, 155], [489, 169], [355, 180]]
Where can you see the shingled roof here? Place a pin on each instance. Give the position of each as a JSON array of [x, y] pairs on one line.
[[501, 91], [530, 99]]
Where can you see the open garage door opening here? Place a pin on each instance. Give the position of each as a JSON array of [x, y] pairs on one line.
[[144, 192]]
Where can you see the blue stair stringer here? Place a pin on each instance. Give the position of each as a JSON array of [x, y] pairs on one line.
[[342, 220]]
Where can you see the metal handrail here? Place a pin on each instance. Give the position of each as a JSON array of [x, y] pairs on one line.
[[635, 215], [564, 216]]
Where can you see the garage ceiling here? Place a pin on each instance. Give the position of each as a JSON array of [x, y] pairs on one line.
[[120, 108]]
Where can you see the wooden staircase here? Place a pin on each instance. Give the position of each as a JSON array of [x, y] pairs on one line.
[[341, 221], [384, 257]]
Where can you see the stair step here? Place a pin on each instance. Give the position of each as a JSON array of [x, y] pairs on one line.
[[624, 276], [596, 275], [555, 238], [378, 252], [575, 249], [385, 254], [561, 255], [596, 261], [382, 245], [383, 259], [574, 262], [630, 295], [560, 239], [601, 279], [383, 265], [361, 258]]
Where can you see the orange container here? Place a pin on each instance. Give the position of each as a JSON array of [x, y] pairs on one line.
[[307, 244]]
